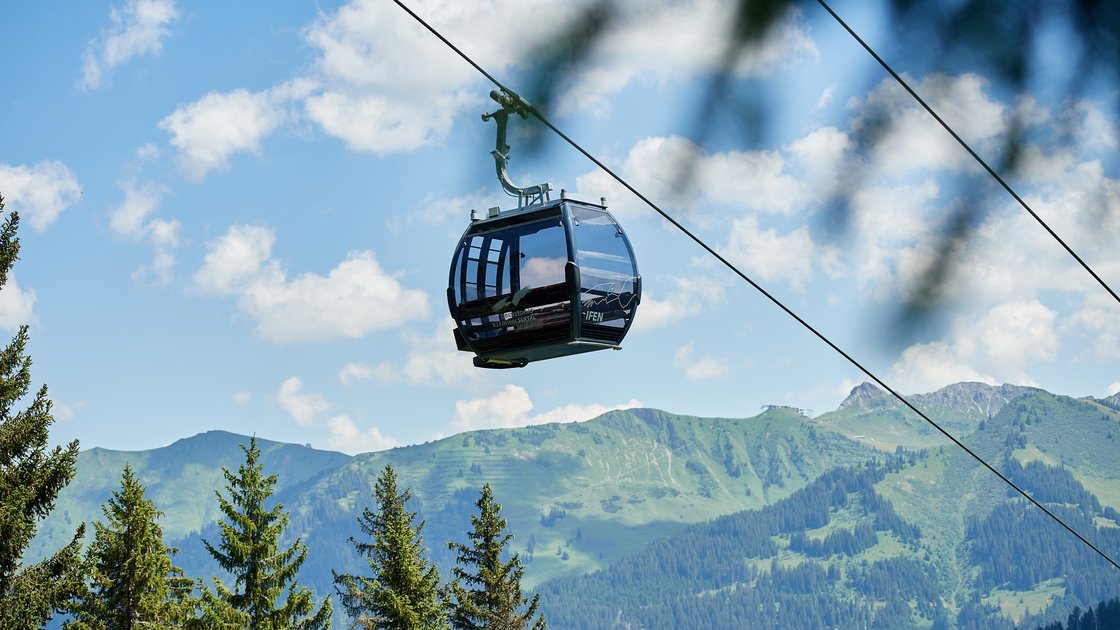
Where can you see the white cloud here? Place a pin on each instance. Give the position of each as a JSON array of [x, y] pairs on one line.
[[352, 300], [752, 180], [511, 407], [17, 305], [63, 412], [345, 436], [235, 259], [1007, 256], [913, 140], [928, 367], [390, 86], [1010, 256], [772, 256], [381, 83], [148, 151], [825, 156], [303, 407], [684, 297], [382, 125], [433, 210], [703, 368], [845, 387], [508, 408], [888, 221], [242, 397], [432, 359], [212, 129], [996, 346], [826, 97], [355, 373], [140, 200], [138, 29], [163, 235], [664, 41], [131, 220], [1016, 334], [656, 313], [1096, 127], [39, 192], [1098, 315]]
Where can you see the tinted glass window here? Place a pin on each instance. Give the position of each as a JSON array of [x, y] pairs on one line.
[[511, 282], [600, 245], [542, 253], [607, 271]]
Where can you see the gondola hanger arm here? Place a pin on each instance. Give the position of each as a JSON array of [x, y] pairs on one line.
[[512, 103]]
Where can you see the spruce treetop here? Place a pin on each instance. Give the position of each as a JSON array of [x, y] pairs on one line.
[[249, 549], [404, 591], [486, 591]]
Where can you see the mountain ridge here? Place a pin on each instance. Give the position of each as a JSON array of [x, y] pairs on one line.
[[581, 495]]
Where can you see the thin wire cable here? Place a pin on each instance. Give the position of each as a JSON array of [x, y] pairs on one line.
[[968, 148], [575, 145]]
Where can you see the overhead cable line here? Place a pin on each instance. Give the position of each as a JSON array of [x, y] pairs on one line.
[[539, 116], [991, 171]]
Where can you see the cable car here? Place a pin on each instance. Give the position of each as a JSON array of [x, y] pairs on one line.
[[552, 278]]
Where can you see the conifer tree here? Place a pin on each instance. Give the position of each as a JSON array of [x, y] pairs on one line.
[[486, 592], [249, 549], [31, 477], [132, 581], [404, 591]]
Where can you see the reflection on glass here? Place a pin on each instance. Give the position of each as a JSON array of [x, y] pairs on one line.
[[607, 273]]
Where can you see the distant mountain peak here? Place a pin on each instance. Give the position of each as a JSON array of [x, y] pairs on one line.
[[980, 398], [1112, 401], [976, 397], [863, 396]]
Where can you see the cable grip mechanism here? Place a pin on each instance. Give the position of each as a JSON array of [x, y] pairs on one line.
[[512, 103]]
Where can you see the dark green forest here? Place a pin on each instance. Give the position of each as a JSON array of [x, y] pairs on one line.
[[777, 568], [1104, 616]]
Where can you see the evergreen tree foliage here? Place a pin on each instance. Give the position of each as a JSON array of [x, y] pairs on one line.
[[132, 581], [486, 592], [1105, 616], [404, 591], [249, 549], [31, 477]]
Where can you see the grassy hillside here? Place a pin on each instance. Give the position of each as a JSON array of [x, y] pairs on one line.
[[581, 497], [929, 540], [180, 478], [578, 495]]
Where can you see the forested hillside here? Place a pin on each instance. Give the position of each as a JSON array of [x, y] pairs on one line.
[[925, 539], [577, 496], [855, 518]]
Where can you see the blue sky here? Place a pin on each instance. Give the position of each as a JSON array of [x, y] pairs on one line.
[[241, 217]]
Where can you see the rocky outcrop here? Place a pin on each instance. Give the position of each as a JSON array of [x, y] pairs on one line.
[[973, 399], [977, 400], [865, 396]]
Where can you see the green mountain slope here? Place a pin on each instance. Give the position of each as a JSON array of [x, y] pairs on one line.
[[929, 539], [180, 478], [582, 497], [577, 495]]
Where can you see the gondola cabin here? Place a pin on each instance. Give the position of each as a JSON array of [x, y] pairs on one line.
[[542, 281]]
